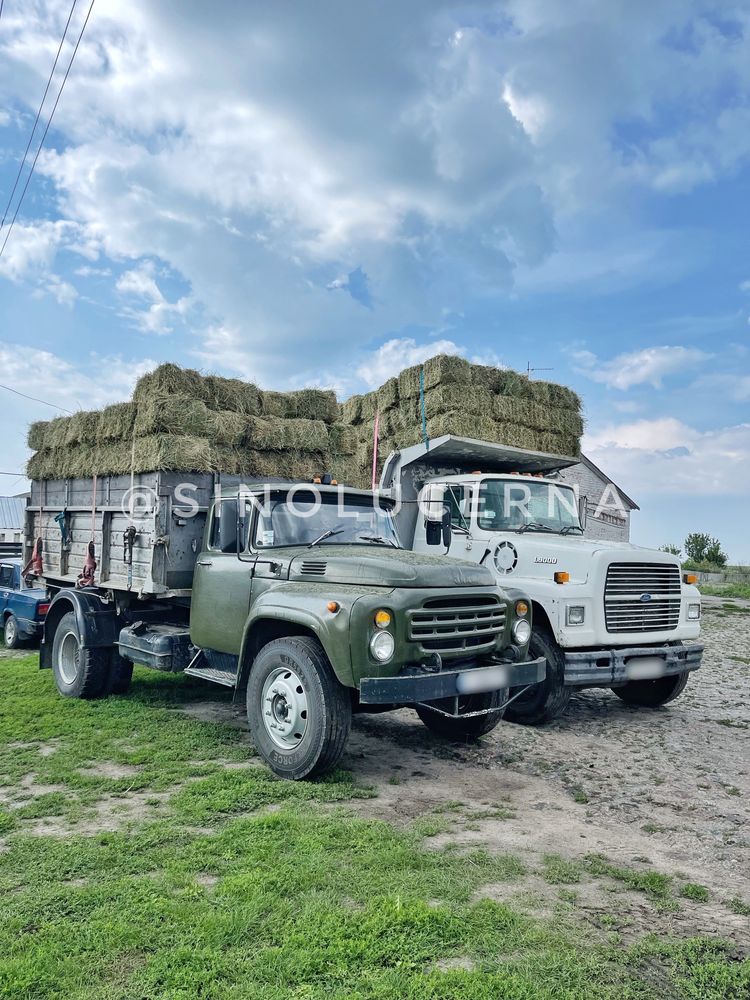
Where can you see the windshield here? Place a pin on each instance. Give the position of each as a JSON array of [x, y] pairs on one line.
[[307, 518], [508, 505]]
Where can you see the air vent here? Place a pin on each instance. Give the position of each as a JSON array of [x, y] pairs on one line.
[[313, 567]]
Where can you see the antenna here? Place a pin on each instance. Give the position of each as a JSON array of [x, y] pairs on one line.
[[529, 369]]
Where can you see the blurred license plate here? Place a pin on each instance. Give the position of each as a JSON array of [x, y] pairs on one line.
[[486, 679], [645, 668]]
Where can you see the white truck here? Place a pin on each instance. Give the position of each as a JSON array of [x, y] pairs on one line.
[[605, 614]]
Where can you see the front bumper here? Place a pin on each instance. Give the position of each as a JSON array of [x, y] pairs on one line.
[[610, 667], [417, 684]]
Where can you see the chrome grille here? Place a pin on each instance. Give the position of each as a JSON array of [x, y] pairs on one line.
[[626, 610], [450, 624]]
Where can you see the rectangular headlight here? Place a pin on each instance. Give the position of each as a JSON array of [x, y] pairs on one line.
[[694, 612], [575, 614]]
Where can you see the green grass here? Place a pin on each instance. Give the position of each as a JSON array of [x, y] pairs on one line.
[[233, 885], [698, 893], [741, 590]]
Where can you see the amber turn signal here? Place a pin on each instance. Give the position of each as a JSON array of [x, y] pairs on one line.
[[562, 577], [333, 606], [522, 608], [382, 618], [690, 577]]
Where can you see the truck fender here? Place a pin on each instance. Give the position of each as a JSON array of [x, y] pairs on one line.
[[97, 624], [273, 623]]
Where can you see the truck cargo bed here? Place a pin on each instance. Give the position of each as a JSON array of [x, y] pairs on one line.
[[170, 515]]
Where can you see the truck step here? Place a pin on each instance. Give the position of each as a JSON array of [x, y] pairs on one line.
[[226, 677]]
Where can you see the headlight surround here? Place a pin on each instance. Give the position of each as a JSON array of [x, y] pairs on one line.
[[575, 614], [382, 646], [521, 631], [694, 612]]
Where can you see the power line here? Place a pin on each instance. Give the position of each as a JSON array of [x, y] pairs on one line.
[[46, 130], [38, 114], [35, 399], [21, 475]]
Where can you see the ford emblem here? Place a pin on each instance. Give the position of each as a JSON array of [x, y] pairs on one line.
[[645, 598]]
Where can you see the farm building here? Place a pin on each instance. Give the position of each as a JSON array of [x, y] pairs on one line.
[[11, 525], [608, 507]]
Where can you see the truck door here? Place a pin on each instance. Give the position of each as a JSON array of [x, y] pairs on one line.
[[221, 584], [6, 585]]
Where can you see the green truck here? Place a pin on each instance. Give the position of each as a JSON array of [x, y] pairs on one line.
[[297, 596]]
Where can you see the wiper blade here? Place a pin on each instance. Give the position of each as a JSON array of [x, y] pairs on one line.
[[535, 526], [380, 539], [571, 527], [326, 534]]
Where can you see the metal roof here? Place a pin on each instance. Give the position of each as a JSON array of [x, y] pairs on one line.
[[11, 513]]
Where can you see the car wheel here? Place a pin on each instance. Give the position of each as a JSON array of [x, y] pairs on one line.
[[298, 712], [652, 693], [78, 672], [549, 699], [12, 634]]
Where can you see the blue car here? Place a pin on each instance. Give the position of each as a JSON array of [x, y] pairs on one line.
[[22, 608]]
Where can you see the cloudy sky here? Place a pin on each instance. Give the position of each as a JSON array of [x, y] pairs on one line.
[[323, 192]]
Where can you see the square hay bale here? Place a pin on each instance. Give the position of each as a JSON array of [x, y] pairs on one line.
[[81, 427], [276, 404], [445, 368], [368, 407], [351, 410], [461, 424], [387, 395], [173, 453], [116, 423], [456, 396], [540, 393], [56, 435], [36, 438], [561, 395], [517, 436], [39, 466], [232, 394], [342, 439], [511, 383], [512, 410], [225, 427], [564, 421], [170, 380], [173, 414], [276, 434], [315, 404]]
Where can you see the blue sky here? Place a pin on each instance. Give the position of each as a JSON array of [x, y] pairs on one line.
[[323, 193]]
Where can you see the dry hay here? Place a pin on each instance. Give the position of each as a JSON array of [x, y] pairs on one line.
[[37, 436], [276, 434], [231, 394], [342, 439], [170, 380], [226, 427], [351, 410], [116, 422], [172, 414], [314, 404]]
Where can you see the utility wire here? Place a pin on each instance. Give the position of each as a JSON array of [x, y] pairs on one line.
[[35, 399], [46, 130], [38, 114]]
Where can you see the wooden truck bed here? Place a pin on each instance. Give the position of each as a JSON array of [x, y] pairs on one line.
[[168, 536]]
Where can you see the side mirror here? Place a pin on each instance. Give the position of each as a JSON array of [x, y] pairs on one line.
[[435, 514], [583, 513]]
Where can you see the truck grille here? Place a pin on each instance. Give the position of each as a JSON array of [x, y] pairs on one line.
[[627, 609], [448, 624]]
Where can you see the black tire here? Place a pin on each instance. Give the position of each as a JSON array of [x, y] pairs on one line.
[[466, 730], [652, 694], [293, 691], [549, 699], [78, 672], [120, 673], [12, 635]]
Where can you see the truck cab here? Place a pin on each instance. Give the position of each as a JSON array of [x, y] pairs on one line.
[[605, 613]]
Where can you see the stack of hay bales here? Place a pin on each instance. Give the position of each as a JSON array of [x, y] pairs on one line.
[[466, 400], [180, 420]]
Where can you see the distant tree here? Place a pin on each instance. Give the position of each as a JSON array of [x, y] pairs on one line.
[[702, 548], [673, 550]]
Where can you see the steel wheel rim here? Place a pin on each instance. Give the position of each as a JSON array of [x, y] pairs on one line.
[[284, 708], [10, 632], [69, 658]]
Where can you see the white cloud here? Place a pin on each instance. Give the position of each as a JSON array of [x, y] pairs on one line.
[[159, 315], [647, 366], [668, 456], [391, 357]]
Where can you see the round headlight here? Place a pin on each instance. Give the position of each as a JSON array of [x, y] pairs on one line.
[[382, 646], [521, 631]]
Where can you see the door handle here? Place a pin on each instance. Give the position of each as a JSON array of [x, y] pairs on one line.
[[205, 562]]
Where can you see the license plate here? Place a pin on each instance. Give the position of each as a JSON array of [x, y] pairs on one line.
[[484, 679], [645, 668]]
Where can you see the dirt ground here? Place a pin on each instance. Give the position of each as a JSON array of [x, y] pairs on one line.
[[665, 790]]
